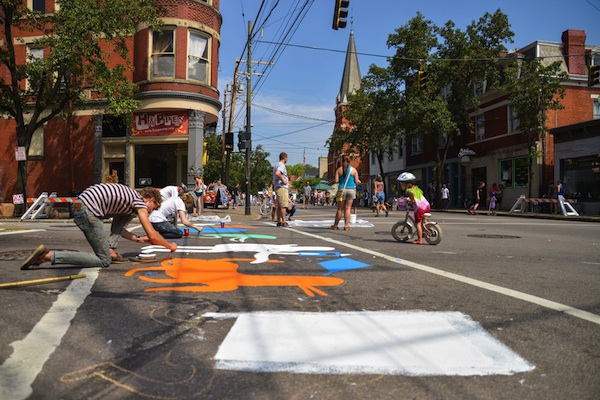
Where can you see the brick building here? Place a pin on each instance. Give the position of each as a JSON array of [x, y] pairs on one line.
[[176, 71]]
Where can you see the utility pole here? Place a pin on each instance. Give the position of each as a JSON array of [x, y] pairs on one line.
[[248, 118]]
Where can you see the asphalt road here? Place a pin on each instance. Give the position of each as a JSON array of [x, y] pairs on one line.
[[502, 308]]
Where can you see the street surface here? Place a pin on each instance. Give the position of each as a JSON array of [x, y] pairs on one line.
[[503, 308]]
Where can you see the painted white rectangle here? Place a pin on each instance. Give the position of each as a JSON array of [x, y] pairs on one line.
[[412, 343]]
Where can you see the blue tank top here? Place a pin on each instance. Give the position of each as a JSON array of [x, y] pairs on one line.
[[351, 181]]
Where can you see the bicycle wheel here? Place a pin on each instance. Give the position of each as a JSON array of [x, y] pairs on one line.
[[265, 208], [401, 231], [435, 233]]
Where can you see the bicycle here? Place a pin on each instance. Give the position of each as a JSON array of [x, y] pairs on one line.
[[265, 206], [406, 229]]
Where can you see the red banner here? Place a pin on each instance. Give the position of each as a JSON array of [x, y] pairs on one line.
[[163, 123]]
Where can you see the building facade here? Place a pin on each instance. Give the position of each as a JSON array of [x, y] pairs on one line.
[[176, 70]]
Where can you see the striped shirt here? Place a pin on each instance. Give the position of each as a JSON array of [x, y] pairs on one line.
[[107, 199]]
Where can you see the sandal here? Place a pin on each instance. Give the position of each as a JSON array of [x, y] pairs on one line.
[[36, 258], [334, 228], [417, 242], [119, 259], [347, 228]]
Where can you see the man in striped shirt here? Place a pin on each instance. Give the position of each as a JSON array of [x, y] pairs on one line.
[[98, 202]]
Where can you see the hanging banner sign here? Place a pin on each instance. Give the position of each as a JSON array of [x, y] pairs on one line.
[[164, 123]]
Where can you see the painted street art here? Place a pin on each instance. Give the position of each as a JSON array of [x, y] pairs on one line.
[[261, 251], [409, 343], [221, 275]]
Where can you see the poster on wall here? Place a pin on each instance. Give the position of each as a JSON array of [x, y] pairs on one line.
[[160, 123]]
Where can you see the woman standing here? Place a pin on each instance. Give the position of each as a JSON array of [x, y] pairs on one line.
[[379, 191], [347, 178]]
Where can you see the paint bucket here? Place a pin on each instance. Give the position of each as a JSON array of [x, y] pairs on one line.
[[352, 218], [222, 224], [186, 232]]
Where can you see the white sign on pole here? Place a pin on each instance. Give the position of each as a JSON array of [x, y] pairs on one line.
[[20, 153]]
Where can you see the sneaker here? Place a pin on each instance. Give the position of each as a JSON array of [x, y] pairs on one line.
[[387, 213], [119, 259], [36, 258]]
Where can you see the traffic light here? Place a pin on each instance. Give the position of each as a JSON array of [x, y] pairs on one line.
[[421, 79], [593, 75], [229, 141], [340, 13], [241, 140]]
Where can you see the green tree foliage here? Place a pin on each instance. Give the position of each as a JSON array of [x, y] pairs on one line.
[[391, 104], [535, 88], [74, 60]]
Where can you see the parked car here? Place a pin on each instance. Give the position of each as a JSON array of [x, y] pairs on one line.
[[216, 197]]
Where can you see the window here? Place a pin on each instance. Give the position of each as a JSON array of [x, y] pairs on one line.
[[34, 55], [596, 105], [513, 120], [514, 172], [480, 122], [163, 54], [390, 154], [400, 148], [417, 144], [36, 147], [198, 57], [37, 5], [373, 157]]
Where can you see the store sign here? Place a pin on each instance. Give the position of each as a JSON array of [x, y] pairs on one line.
[[164, 123]]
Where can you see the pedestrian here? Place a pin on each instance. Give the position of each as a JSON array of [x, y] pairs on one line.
[[431, 194], [379, 192], [290, 210], [560, 195], [171, 191], [306, 195], [199, 191], [280, 185], [98, 202], [445, 197], [493, 199], [421, 205], [480, 197], [346, 191], [164, 219], [236, 195]]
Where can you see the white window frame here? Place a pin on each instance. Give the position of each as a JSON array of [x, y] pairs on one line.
[[156, 71], [33, 53], [198, 53], [480, 127], [596, 106], [416, 144]]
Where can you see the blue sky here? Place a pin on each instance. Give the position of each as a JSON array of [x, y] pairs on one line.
[[293, 101]]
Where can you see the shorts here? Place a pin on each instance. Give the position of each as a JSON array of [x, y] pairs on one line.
[[380, 198], [349, 194], [282, 196], [420, 212]]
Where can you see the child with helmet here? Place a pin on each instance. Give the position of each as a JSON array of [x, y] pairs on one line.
[[421, 205]]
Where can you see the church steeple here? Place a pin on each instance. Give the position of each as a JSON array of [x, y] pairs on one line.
[[351, 76]]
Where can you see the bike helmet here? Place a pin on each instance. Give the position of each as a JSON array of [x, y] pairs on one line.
[[407, 177]]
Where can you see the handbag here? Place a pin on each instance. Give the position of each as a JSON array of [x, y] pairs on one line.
[[339, 196]]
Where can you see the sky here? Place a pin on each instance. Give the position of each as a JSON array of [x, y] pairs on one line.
[[295, 86]]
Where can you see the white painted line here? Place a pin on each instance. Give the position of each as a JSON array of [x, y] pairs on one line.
[[575, 312], [410, 343], [11, 232], [20, 370]]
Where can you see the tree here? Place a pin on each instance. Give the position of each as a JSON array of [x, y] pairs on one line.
[[455, 62], [85, 46], [534, 90]]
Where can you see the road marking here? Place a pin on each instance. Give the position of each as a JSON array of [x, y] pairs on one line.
[[575, 312], [30, 354], [9, 231], [409, 343]]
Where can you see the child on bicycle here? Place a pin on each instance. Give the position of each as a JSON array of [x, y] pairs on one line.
[[421, 205]]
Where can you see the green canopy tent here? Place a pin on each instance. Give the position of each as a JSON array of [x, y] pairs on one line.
[[322, 186]]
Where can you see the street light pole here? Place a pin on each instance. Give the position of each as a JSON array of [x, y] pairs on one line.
[[248, 117]]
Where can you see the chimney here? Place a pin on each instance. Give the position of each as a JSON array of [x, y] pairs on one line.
[[574, 50]]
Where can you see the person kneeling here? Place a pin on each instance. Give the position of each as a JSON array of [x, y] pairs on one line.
[[169, 210]]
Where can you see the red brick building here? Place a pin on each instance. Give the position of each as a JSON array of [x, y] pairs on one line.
[[177, 74]]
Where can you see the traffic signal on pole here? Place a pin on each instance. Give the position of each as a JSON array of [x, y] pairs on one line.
[[421, 80], [593, 75], [241, 140], [229, 141], [340, 13]]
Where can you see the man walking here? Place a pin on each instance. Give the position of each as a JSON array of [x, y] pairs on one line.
[[306, 195], [280, 185]]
